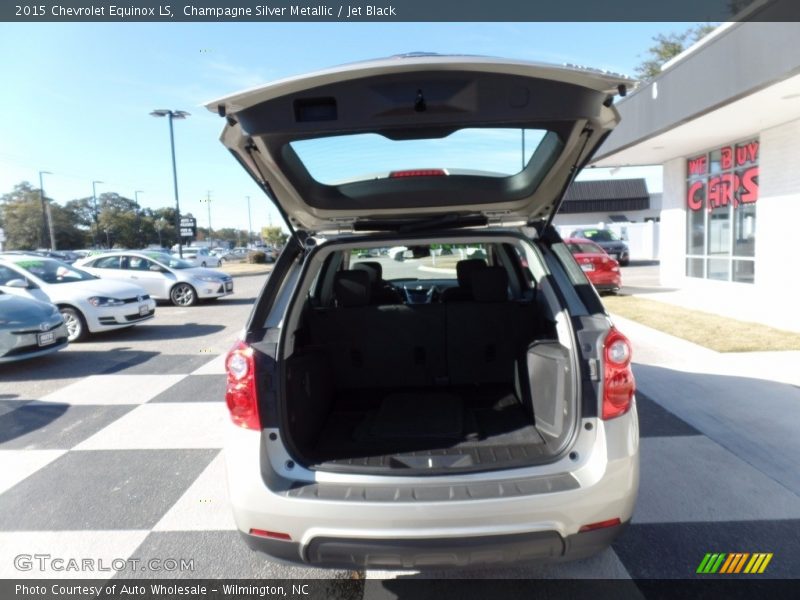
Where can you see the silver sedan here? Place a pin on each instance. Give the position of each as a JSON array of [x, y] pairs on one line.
[[164, 277], [29, 328]]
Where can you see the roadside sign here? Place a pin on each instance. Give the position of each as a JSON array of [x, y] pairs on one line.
[[188, 227]]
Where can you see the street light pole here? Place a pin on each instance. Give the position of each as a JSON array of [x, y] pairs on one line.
[[174, 114], [43, 239], [96, 218], [249, 222], [207, 200], [138, 217]]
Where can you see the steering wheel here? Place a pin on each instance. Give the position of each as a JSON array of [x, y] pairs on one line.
[[418, 295]]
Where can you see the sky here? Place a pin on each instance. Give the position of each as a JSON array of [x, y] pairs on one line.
[[76, 97]]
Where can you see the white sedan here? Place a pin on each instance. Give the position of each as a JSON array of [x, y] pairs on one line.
[[200, 257], [164, 277], [88, 304]]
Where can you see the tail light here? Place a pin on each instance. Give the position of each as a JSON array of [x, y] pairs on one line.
[[240, 394], [600, 525], [618, 381]]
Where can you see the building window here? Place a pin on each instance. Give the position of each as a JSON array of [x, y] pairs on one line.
[[722, 190]]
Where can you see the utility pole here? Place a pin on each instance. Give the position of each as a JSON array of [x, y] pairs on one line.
[[52, 228], [138, 218], [249, 223], [96, 217], [207, 200], [43, 239]]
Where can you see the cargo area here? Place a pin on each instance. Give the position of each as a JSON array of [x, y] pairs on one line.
[[469, 383]]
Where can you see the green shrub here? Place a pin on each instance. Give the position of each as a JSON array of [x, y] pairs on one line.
[[256, 257]]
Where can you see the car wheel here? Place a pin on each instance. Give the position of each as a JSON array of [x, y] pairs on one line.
[[203, 264], [76, 324], [183, 295]]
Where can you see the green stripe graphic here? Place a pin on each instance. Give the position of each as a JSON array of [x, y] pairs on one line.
[[718, 564], [702, 567]]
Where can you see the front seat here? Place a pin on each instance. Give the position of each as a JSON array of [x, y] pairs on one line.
[[464, 272], [382, 292]]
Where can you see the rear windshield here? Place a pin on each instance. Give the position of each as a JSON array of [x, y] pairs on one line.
[[599, 235], [412, 263], [358, 157], [583, 248]]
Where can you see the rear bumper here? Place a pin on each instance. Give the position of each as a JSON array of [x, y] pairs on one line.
[[438, 553], [363, 529]]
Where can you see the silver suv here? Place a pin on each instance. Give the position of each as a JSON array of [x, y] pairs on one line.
[[469, 403]]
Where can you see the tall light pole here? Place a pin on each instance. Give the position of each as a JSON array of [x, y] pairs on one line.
[[207, 200], [174, 114], [249, 222], [138, 217], [94, 208], [43, 239]]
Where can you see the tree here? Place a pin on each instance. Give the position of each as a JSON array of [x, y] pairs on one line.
[[274, 236], [667, 47], [22, 217]]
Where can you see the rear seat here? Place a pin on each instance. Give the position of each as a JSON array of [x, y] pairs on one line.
[[486, 338], [379, 346], [468, 342]]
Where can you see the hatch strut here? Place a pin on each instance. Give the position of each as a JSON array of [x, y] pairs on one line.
[[572, 174], [264, 185]]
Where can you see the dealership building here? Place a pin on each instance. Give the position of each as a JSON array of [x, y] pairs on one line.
[[723, 120]]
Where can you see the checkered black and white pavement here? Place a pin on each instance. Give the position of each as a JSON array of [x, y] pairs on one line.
[[128, 464]]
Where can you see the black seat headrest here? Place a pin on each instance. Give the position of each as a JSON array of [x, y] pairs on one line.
[[352, 288], [373, 268], [490, 285], [465, 269]]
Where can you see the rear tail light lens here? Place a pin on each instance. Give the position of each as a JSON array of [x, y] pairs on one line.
[[618, 382], [240, 394]]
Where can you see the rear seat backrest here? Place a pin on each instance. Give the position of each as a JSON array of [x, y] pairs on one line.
[[379, 346], [485, 336]]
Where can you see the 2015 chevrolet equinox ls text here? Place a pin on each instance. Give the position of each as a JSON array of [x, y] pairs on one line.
[[466, 400]]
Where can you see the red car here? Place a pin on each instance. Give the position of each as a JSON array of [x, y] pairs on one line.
[[600, 268]]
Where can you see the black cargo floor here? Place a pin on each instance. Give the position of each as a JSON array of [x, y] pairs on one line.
[[482, 424]]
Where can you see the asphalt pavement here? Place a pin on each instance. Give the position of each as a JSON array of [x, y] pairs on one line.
[[112, 449]]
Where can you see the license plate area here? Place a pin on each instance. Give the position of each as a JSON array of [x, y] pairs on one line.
[[46, 338], [587, 267], [228, 286], [143, 310]]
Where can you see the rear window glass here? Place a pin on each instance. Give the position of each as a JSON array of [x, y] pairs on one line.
[[583, 248], [489, 152]]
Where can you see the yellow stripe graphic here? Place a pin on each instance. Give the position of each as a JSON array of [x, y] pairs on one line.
[[765, 563], [741, 562], [757, 564], [749, 567]]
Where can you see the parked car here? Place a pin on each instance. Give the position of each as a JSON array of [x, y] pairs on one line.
[[200, 257], [164, 277], [607, 240], [29, 328], [600, 268], [489, 426], [88, 304]]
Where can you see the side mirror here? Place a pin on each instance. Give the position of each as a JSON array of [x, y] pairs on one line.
[[17, 283]]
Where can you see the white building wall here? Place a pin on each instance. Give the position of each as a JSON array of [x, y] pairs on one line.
[[772, 298], [672, 242]]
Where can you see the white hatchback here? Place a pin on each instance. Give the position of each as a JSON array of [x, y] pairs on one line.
[[88, 304]]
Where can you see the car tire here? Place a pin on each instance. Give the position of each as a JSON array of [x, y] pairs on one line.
[[182, 294], [203, 264], [76, 324]]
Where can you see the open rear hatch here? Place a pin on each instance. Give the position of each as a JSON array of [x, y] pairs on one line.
[[412, 138]]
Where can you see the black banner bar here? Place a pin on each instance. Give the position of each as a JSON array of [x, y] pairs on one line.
[[732, 587], [397, 10]]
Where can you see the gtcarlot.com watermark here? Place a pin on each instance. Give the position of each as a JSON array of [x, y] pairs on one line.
[[58, 564]]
